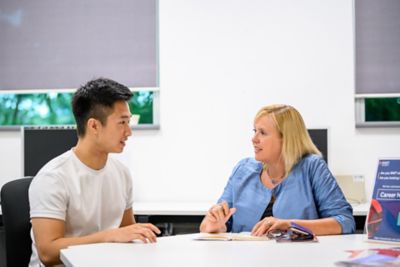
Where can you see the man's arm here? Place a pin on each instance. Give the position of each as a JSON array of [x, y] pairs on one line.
[[127, 218], [50, 237]]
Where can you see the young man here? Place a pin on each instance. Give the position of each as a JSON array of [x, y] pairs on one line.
[[83, 196]]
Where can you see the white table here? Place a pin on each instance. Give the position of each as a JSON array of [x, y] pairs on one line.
[[182, 250]]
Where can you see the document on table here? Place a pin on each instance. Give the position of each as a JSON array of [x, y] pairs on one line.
[[243, 236]]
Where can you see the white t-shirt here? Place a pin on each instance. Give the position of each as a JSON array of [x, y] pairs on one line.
[[87, 200]]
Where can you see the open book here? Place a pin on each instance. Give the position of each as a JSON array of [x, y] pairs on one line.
[[243, 236]]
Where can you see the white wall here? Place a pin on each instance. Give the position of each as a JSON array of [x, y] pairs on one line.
[[220, 61]]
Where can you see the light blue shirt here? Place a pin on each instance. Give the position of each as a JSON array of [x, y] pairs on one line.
[[309, 192]]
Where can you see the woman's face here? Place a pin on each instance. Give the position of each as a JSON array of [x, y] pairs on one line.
[[267, 141]]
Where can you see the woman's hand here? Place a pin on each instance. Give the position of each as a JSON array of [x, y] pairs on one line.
[[216, 218], [268, 224]]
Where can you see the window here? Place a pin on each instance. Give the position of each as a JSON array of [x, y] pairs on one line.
[[382, 109], [54, 109], [377, 62], [377, 111], [55, 46]]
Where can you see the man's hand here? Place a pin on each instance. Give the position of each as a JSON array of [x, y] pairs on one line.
[[142, 231]]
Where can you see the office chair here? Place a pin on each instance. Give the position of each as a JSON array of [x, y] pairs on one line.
[[16, 221]]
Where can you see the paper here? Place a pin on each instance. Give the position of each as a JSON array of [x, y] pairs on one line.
[[372, 257], [243, 236]]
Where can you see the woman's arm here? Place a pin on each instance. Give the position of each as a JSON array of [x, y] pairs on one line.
[[330, 200], [216, 218], [325, 226]]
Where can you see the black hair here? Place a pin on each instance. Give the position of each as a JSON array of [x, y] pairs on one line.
[[95, 100]]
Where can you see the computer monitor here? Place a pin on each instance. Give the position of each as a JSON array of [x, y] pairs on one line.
[[40, 145], [320, 139]]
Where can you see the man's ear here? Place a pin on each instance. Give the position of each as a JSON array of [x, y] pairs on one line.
[[93, 125]]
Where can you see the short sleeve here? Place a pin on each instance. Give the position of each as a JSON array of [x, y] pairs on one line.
[[129, 189], [48, 197]]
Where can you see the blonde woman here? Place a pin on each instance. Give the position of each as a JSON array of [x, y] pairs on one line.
[[286, 181]]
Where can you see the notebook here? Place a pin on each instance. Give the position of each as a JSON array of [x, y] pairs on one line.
[[243, 236]]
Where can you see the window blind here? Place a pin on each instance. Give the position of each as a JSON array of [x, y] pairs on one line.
[[47, 44], [377, 46]]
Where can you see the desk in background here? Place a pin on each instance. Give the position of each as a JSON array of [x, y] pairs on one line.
[[171, 208], [360, 212], [183, 218], [360, 209], [182, 250], [172, 218]]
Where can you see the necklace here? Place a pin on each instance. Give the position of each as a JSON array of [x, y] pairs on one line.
[[274, 181]]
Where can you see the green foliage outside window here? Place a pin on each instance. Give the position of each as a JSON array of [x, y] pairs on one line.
[[54, 108], [382, 109], [142, 104]]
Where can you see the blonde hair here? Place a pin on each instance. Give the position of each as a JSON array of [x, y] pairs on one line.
[[296, 141]]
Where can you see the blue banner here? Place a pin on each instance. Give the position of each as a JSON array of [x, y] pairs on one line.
[[383, 221]]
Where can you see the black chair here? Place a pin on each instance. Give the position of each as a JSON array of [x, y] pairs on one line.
[[16, 222]]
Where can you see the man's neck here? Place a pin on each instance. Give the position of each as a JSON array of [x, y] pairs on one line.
[[89, 155]]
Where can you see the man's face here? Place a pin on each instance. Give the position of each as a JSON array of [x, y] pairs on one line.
[[113, 135]]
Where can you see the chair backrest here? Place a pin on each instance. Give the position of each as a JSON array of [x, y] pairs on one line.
[[16, 221]]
